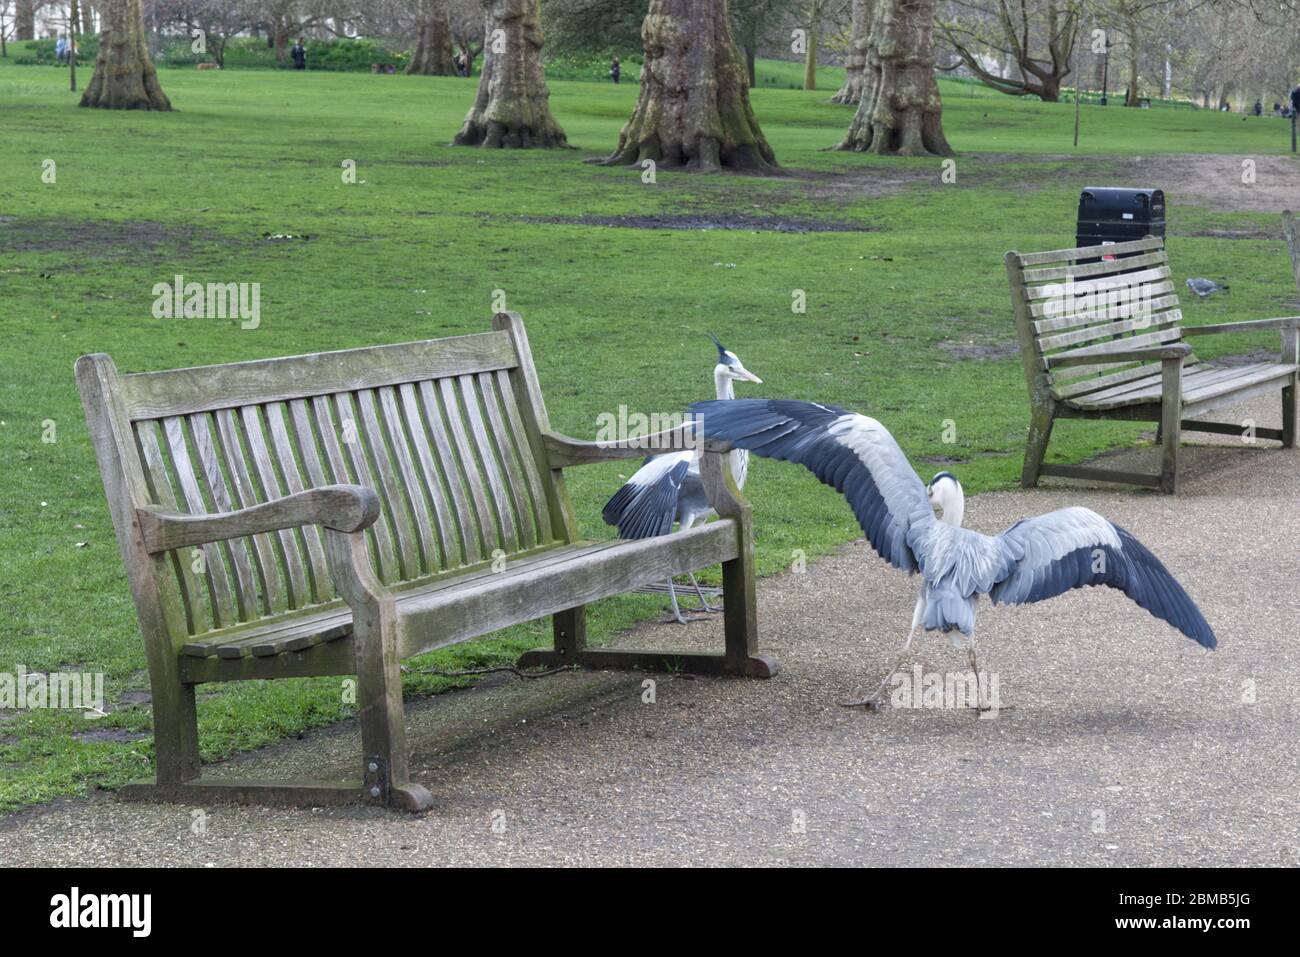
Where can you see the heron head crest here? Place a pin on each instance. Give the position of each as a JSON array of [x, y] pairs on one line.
[[725, 357]]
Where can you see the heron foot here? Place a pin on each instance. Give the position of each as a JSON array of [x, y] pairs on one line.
[[681, 619], [867, 703]]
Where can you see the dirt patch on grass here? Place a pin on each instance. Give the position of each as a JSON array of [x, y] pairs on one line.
[[1213, 181], [94, 237], [985, 351], [1257, 233], [707, 221], [1209, 180]]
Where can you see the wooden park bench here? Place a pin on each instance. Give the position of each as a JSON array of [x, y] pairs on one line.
[[1104, 339], [335, 513]]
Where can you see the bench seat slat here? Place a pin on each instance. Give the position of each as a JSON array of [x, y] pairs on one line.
[[275, 636], [1245, 376], [1205, 382]]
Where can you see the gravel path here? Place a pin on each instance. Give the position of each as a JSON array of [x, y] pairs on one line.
[[1118, 740]]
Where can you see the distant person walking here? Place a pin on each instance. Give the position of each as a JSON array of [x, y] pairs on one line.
[[61, 49], [614, 70], [299, 54], [1259, 108]]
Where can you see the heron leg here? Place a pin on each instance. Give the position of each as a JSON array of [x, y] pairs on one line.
[[980, 703], [677, 612], [872, 702], [704, 602]]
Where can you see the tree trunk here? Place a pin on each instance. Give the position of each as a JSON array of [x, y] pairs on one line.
[[74, 28], [433, 55], [900, 113], [1131, 97], [512, 107], [693, 110], [124, 77], [24, 20], [851, 91], [751, 56], [810, 57]]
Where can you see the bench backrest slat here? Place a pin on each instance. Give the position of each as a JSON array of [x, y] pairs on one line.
[[1070, 303], [445, 431]]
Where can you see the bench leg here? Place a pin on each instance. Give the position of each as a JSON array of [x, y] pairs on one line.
[[1171, 426], [1040, 431], [175, 732], [178, 778], [739, 624], [383, 717], [1290, 394]]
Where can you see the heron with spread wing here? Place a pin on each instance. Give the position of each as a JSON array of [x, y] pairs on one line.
[[1033, 560], [668, 488]]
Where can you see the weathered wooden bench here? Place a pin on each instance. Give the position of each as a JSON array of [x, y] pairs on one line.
[[333, 514], [1103, 339]]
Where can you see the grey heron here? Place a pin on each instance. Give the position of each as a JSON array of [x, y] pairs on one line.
[[668, 487], [1033, 560]]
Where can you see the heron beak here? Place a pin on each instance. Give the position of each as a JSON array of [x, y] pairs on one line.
[[750, 377]]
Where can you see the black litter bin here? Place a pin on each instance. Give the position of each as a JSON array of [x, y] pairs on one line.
[[1116, 215]]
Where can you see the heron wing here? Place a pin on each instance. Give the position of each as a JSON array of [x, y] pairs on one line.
[[854, 454], [647, 504], [1074, 547]]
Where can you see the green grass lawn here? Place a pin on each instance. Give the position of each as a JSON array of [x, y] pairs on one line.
[[415, 249]]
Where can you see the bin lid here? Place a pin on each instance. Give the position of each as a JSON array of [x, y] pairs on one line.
[[1111, 201]]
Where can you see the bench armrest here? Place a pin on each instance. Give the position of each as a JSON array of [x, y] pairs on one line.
[[1246, 325], [563, 452], [721, 490], [346, 508], [1175, 350]]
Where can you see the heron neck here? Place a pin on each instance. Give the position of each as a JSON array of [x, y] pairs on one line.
[[954, 510], [724, 388], [722, 384]]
